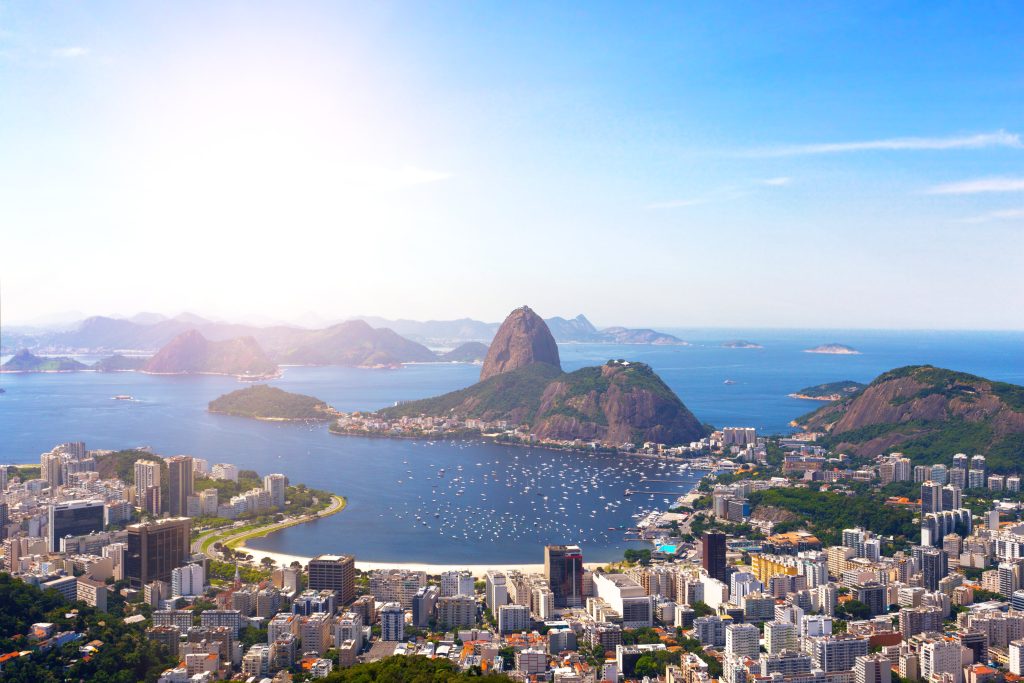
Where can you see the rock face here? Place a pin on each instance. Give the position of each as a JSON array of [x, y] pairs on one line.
[[928, 413], [522, 339], [192, 353]]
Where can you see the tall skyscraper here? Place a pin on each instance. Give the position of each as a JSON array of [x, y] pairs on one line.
[[180, 477], [931, 497], [51, 468], [934, 567], [563, 568], [73, 518], [336, 573], [155, 549], [147, 476], [713, 555]]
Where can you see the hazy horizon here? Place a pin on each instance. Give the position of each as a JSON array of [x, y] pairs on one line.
[[669, 166]]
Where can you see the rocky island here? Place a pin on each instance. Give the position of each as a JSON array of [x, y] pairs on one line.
[[740, 344], [263, 402], [523, 392], [832, 391], [834, 349]]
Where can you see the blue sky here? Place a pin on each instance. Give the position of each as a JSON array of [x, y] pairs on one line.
[[825, 165]]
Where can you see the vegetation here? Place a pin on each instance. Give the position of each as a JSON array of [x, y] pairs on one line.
[[26, 361], [408, 670], [826, 391], [634, 556], [827, 513], [264, 402], [123, 655]]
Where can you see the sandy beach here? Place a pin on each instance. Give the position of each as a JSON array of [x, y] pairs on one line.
[[476, 569]]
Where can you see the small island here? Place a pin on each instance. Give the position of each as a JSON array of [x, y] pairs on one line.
[[831, 391], [263, 402], [740, 344], [834, 349], [26, 361]]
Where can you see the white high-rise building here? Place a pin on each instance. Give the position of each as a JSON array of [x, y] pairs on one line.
[[779, 636], [1016, 663], [275, 485], [188, 580], [457, 582], [392, 622], [742, 640], [513, 618], [497, 591], [874, 668], [223, 470], [940, 656]]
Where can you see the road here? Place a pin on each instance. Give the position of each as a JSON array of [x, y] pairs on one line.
[[337, 504]]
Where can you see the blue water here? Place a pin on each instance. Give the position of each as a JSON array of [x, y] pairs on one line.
[[505, 524]]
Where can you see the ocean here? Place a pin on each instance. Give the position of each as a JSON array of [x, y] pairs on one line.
[[493, 509]]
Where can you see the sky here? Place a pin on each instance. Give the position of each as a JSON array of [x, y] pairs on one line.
[[679, 164]]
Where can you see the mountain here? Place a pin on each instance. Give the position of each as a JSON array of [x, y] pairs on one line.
[[578, 329], [523, 383], [522, 339], [834, 349], [353, 343], [26, 361], [929, 414], [264, 402], [119, 363], [192, 353], [625, 335], [438, 332], [470, 352]]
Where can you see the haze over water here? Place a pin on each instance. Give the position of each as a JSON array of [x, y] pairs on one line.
[[505, 524]]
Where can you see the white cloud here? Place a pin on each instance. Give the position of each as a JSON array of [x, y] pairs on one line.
[[413, 175], [73, 52], [1003, 215], [776, 182], [999, 138], [979, 185]]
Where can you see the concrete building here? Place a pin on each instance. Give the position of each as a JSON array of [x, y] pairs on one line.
[[627, 597], [392, 622], [275, 485], [180, 477], [513, 618], [336, 573], [155, 549], [742, 640], [73, 518], [874, 668], [563, 569]]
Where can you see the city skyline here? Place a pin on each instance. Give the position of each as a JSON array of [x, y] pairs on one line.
[[658, 166]]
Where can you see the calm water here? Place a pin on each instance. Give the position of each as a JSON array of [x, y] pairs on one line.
[[489, 512]]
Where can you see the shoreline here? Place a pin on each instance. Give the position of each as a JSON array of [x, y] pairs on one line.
[[428, 567]]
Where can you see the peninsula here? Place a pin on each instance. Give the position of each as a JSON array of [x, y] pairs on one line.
[[524, 395], [831, 391], [26, 361]]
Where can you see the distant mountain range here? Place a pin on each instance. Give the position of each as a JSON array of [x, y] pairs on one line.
[[362, 341]]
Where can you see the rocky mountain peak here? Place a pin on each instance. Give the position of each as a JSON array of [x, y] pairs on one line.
[[523, 338]]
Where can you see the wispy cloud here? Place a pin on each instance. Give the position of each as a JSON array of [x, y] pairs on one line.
[[775, 182], [999, 138], [980, 185], [1003, 215], [72, 52]]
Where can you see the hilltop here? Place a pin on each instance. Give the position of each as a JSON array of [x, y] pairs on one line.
[[927, 413], [119, 363], [263, 402], [26, 361], [522, 383], [470, 352], [191, 353]]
